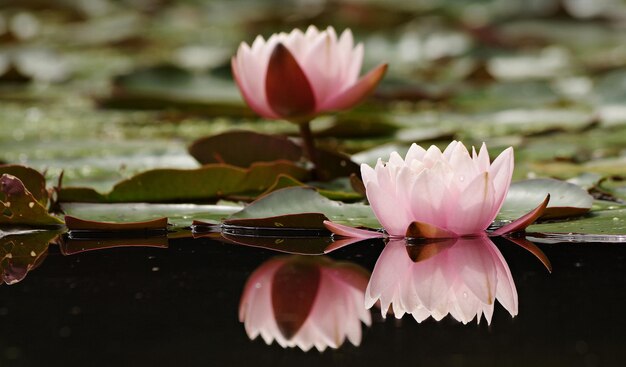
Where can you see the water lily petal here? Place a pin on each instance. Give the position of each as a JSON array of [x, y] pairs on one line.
[[357, 92], [288, 90]]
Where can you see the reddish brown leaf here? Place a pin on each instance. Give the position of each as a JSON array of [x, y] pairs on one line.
[[74, 223]]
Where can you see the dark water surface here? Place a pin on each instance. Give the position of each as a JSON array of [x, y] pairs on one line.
[[179, 306]]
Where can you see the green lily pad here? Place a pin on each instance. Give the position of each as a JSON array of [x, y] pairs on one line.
[[597, 226], [209, 182], [296, 200], [20, 207], [178, 215], [566, 199], [169, 87]]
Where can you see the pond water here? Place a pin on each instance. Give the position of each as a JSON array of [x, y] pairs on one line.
[[177, 301]]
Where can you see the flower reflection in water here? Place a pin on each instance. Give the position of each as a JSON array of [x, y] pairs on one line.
[[305, 302], [462, 277]]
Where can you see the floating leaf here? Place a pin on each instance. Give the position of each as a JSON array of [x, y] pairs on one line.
[[179, 215], [226, 148], [167, 87], [566, 199], [295, 200], [20, 207], [597, 226], [209, 182], [34, 181], [74, 223]]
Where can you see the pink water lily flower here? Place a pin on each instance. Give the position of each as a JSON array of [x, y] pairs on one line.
[[453, 190], [462, 277], [305, 302], [299, 75]]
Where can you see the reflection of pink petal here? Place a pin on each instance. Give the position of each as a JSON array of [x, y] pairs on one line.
[[287, 88], [305, 302], [356, 93], [524, 221], [347, 231], [463, 279], [337, 244]]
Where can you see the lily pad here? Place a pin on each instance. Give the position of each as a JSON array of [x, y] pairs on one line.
[[209, 182], [226, 148], [597, 226], [20, 207], [179, 215], [566, 199], [167, 87], [296, 200], [34, 181], [74, 224]]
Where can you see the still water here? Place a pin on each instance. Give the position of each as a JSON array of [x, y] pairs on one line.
[[207, 301]]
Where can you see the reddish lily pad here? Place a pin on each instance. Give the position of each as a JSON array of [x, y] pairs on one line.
[[226, 148], [34, 181], [20, 207], [74, 223], [207, 183]]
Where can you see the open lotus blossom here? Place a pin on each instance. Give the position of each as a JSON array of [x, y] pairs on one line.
[[462, 277], [299, 75], [453, 190], [305, 302], [435, 194]]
